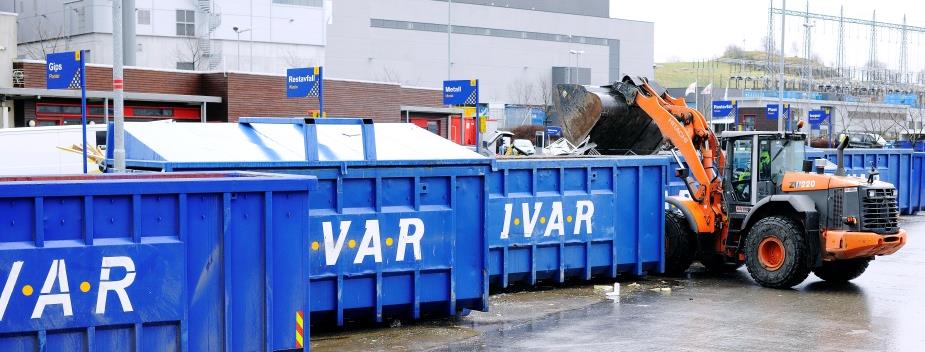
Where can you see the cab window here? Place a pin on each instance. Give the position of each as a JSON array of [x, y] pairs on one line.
[[741, 169]]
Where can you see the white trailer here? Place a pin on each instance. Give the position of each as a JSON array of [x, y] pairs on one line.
[[34, 150]]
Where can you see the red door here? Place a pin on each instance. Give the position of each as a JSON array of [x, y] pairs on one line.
[[470, 132]]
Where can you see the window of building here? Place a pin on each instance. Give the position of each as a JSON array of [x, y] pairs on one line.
[[313, 3], [186, 23], [491, 32], [159, 112], [144, 17], [185, 65]]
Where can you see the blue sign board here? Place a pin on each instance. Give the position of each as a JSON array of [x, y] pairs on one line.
[[553, 131], [66, 71], [303, 82], [817, 117], [461, 92], [63, 70], [773, 111], [724, 108]]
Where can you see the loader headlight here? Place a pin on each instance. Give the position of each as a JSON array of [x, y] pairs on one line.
[[871, 193]]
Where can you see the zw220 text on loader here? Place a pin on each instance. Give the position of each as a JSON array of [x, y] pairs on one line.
[[749, 202]]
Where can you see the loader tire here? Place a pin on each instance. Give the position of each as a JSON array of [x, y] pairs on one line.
[[679, 244], [842, 270], [776, 253]]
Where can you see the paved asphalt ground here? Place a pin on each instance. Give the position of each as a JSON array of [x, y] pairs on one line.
[[883, 310]]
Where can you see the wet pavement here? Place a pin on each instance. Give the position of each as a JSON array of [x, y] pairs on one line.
[[880, 311]]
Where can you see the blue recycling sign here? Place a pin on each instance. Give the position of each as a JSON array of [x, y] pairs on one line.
[[553, 131], [303, 82], [724, 108], [63, 70], [773, 111], [461, 92]]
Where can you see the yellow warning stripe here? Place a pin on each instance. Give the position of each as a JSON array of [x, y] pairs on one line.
[[298, 329]]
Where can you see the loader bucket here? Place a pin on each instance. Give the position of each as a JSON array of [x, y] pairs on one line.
[[617, 126]]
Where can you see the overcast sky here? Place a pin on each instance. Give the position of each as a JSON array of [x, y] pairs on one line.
[[692, 30]]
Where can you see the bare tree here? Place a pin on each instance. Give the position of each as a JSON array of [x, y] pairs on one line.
[[47, 42], [292, 59], [522, 92], [545, 91], [390, 75], [188, 51]]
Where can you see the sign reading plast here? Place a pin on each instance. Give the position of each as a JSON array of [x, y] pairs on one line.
[[773, 111], [724, 108], [303, 82], [63, 70], [461, 92], [553, 131]]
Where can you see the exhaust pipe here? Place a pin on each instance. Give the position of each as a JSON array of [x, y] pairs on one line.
[[840, 171]]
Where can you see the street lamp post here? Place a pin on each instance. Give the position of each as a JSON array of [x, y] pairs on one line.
[[238, 32], [577, 54]]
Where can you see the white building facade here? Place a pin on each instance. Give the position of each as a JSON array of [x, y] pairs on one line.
[[518, 49], [180, 34], [511, 46]]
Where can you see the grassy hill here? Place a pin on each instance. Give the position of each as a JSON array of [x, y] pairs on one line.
[[681, 74]]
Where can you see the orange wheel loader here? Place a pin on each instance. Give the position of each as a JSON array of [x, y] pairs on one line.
[[754, 199]]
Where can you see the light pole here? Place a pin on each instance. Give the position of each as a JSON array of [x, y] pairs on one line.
[[449, 30], [577, 54], [238, 32]]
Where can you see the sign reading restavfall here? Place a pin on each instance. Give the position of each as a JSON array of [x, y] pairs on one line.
[[303, 82]]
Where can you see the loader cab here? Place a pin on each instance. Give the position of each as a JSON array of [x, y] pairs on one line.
[[756, 163]]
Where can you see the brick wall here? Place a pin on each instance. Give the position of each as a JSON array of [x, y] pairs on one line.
[[257, 95], [263, 95], [136, 80]]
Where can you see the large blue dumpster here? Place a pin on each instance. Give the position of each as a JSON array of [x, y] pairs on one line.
[[180, 262], [390, 237], [574, 218]]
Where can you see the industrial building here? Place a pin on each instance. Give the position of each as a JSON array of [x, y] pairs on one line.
[[517, 48]]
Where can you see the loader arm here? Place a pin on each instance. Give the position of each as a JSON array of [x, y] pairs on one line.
[[633, 117], [688, 131]]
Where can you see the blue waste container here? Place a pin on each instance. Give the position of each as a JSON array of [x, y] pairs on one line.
[[559, 219], [396, 220], [166, 262]]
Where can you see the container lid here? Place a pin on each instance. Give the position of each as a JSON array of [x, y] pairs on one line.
[[256, 142]]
